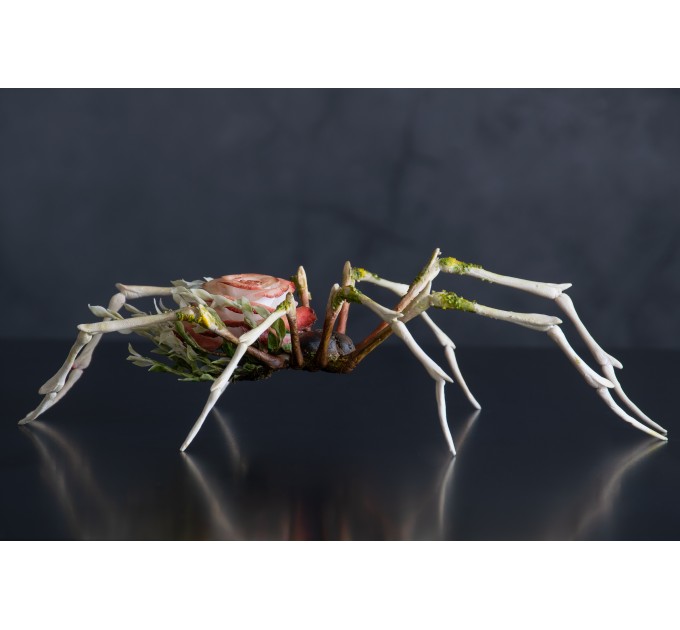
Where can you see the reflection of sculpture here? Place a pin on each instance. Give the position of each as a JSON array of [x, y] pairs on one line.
[[93, 511], [233, 506], [247, 326], [353, 509], [234, 497], [582, 513], [83, 502]]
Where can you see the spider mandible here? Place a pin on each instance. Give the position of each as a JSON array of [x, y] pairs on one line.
[[233, 328]]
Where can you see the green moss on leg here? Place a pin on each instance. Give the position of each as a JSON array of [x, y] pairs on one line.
[[450, 301], [453, 265]]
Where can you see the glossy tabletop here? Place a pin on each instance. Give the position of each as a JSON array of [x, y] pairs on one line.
[[323, 456]]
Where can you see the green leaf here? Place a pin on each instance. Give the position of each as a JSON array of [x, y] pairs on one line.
[[273, 341], [276, 334], [247, 310], [188, 339], [184, 358], [229, 349], [280, 327], [261, 311]]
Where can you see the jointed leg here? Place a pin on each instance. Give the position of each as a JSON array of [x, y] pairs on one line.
[[392, 319], [449, 352], [55, 383], [221, 382], [296, 350], [446, 342], [438, 375], [300, 280], [332, 312], [549, 325], [125, 294], [606, 361], [417, 298], [554, 292], [347, 281], [80, 355], [51, 399]]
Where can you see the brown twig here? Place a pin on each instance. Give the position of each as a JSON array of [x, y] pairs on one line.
[[328, 324], [344, 311], [363, 349], [422, 280], [296, 355]]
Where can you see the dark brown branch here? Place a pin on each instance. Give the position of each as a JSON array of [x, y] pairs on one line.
[[370, 343], [296, 356], [420, 282], [344, 311], [321, 357]]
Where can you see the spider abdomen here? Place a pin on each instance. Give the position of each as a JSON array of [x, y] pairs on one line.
[[339, 344]]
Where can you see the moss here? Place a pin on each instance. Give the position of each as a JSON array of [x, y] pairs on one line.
[[426, 269], [346, 294], [448, 300], [359, 274], [183, 316], [338, 299], [285, 305], [420, 276], [453, 265], [201, 315]]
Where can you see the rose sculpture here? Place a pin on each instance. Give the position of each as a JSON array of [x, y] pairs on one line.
[[252, 297]]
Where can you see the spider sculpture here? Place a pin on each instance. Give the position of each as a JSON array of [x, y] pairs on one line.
[[247, 326]]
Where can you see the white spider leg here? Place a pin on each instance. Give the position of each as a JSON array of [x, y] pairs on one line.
[[55, 383], [607, 361], [80, 355], [58, 383], [222, 381], [438, 375], [53, 398], [126, 293], [130, 324], [441, 408], [399, 328], [445, 341], [549, 325], [555, 292], [216, 390], [432, 368], [449, 351], [543, 289]]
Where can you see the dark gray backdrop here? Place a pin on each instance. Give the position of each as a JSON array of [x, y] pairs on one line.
[[143, 187]]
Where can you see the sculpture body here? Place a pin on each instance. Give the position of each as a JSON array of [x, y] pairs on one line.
[[247, 326]]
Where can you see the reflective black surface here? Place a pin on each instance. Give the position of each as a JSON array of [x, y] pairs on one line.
[[322, 456]]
